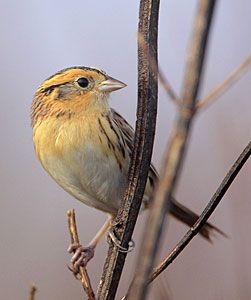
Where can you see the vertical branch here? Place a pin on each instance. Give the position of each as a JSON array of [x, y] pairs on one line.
[[142, 151], [176, 150], [84, 278], [32, 292]]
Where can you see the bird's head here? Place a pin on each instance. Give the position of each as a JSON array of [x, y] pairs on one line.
[[72, 91]]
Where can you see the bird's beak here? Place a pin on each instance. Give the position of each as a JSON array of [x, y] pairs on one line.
[[110, 85]]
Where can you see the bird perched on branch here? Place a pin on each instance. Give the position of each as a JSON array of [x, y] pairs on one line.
[[86, 146]]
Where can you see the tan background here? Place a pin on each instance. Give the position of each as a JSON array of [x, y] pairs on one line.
[[40, 37]]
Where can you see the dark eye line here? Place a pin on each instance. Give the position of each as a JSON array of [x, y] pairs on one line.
[[50, 88]]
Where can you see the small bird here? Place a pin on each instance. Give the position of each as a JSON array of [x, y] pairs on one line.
[[86, 146]]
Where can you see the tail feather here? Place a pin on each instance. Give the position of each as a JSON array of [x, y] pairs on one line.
[[188, 217]]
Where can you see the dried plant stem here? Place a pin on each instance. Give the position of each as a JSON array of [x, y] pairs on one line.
[[213, 203], [225, 84], [84, 278], [175, 152], [125, 221], [156, 69], [32, 292]]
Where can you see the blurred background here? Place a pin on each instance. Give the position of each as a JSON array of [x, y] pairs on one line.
[[39, 38]]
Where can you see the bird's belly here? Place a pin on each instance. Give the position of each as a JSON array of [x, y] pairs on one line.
[[89, 175]]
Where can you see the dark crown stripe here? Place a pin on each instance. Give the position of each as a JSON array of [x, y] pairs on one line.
[[74, 68]]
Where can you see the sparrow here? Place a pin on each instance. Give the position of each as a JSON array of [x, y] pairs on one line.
[[86, 147]]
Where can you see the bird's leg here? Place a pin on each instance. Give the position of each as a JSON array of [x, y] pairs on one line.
[[81, 255]]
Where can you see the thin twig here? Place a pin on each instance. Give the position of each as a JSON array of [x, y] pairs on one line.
[[220, 89], [32, 292], [84, 278], [175, 152], [156, 69], [211, 206], [141, 155]]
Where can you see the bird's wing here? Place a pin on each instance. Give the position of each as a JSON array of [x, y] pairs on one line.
[[178, 210], [128, 134]]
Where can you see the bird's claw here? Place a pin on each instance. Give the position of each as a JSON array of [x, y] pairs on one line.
[[81, 256]]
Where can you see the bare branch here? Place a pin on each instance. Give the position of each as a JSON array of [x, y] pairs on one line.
[[225, 84], [142, 151], [156, 69], [175, 152], [213, 203], [84, 278], [32, 292]]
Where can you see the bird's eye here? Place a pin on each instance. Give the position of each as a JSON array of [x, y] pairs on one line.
[[83, 82]]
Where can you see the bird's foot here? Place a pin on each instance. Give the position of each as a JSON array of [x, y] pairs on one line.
[[117, 243], [81, 256]]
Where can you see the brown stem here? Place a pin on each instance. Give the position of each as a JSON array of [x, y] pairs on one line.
[[84, 278], [175, 152], [156, 69], [124, 223], [32, 292], [211, 206]]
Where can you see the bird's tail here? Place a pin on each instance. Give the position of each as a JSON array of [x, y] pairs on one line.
[[188, 217]]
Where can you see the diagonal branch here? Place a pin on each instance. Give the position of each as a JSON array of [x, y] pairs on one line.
[[175, 151], [225, 84], [84, 278], [213, 203], [142, 151]]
